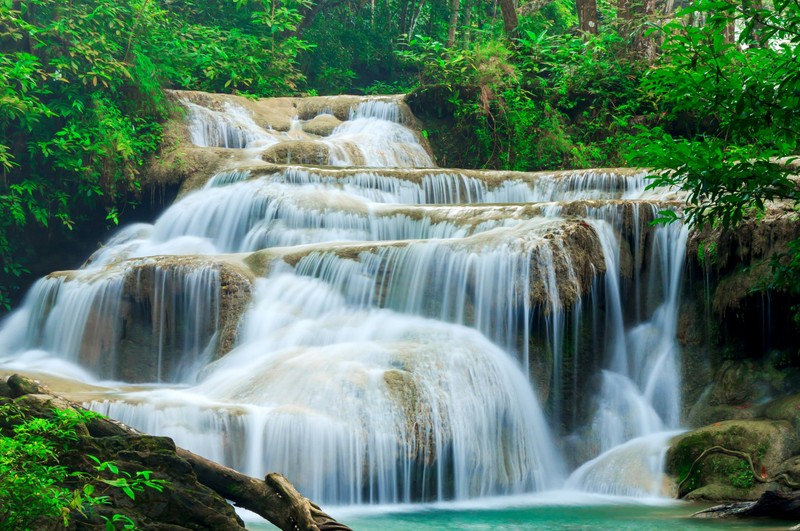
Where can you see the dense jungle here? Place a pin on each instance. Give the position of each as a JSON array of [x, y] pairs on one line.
[[626, 184]]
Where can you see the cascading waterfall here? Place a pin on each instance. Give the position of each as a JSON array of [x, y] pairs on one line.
[[373, 136], [639, 397], [414, 333], [88, 318]]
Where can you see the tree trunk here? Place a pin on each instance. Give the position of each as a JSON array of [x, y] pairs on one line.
[[467, 34], [274, 498], [645, 46], [404, 17], [624, 12], [510, 19], [451, 29], [729, 32], [751, 9], [587, 16], [414, 19]]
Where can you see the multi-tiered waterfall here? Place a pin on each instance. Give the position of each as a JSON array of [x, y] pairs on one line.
[[328, 304]]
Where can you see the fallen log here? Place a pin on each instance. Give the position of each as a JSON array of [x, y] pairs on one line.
[[273, 498], [772, 504]]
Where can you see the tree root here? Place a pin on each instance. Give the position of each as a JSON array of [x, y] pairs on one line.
[[741, 455]]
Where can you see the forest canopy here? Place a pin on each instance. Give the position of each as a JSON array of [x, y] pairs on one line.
[[706, 89]]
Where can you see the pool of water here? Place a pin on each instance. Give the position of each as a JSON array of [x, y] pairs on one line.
[[541, 513]]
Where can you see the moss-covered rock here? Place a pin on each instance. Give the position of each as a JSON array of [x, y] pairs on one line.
[[718, 475], [183, 503]]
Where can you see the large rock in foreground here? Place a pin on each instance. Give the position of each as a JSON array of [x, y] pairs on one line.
[[133, 478], [184, 503], [735, 460]]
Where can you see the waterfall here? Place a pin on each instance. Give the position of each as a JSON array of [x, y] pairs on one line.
[[377, 329]]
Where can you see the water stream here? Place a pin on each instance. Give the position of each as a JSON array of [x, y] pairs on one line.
[[407, 333]]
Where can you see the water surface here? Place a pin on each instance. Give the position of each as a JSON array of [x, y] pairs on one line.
[[622, 516]]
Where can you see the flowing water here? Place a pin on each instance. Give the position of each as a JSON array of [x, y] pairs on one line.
[[379, 330]]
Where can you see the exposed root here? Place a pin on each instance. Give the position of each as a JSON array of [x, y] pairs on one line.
[[779, 478]]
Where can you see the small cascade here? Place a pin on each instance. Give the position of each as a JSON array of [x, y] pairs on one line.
[[639, 395], [633, 468], [231, 127], [373, 137], [377, 329], [143, 322]]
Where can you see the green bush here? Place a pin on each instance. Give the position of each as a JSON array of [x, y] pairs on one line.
[[35, 487], [730, 117], [82, 99]]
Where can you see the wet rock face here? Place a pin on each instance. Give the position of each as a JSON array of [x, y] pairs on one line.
[[164, 326], [729, 381], [171, 315]]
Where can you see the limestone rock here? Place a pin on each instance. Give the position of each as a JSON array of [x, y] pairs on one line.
[[737, 386], [17, 386], [172, 312], [322, 125], [297, 152], [786, 408]]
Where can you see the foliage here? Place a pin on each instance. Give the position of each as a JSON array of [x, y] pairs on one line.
[[129, 484], [352, 49], [82, 99], [215, 48], [738, 472], [545, 101], [730, 116], [77, 116], [730, 111], [35, 486], [30, 476]]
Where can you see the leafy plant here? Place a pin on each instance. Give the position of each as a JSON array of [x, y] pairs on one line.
[[30, 475], [742, 477], [730, 121], [35, 486], [129, 484]]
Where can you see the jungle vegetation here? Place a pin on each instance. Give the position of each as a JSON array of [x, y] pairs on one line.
[[706, 89]]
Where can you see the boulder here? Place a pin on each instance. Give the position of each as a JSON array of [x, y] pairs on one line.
[[732, 460], [297, 152], [736, 389], [189, 489], [322, 125]]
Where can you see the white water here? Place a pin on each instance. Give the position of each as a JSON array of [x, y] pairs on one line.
[[396, 357]]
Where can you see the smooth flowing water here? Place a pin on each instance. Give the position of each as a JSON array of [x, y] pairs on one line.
[[382, 331], [549, 512]]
